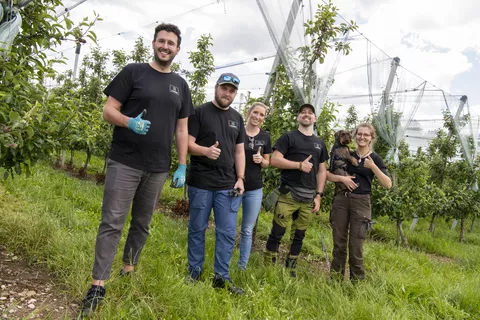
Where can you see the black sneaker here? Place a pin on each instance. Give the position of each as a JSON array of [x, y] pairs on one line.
[[194, 275], [221, 282], [94, 297]]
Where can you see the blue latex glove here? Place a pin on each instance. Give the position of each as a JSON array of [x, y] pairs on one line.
[[179, 176], [138, 125]]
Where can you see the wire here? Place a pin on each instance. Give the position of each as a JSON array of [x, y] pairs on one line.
[[168, 19]]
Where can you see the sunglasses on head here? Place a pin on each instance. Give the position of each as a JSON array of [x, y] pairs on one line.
[[229, 78]]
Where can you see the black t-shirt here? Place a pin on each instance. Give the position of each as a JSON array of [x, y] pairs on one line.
[[295, 146], [166, 97], [253, 171], [364, 176], [208, 125]]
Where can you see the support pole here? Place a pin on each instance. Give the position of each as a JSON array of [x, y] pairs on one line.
[[292, 16]]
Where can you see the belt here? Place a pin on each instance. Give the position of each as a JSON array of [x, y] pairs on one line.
[[357, 195]]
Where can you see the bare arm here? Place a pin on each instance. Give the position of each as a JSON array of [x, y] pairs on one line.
[[278, 161], [181, 137], [265, 161], [240, 166], [384, 180], [346, 180], [112, 114], [321, 177], [194, 149]]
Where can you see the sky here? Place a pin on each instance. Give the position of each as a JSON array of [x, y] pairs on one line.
[[435, 40]]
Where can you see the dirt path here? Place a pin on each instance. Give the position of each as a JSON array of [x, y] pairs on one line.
[[29, 293]]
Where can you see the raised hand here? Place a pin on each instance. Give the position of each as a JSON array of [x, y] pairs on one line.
[[257, 157], [306, 166], [369, 163], [213, 152], [139, 125]]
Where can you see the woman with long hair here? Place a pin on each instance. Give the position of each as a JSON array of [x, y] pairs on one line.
[[351, 215], [258, 148]]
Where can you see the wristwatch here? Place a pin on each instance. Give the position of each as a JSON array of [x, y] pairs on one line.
[[319, 194]]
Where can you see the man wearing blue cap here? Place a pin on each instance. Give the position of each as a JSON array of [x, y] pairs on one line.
[[215, 180]]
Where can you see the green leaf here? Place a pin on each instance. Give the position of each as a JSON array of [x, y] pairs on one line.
[[30, 132], [14, 116]]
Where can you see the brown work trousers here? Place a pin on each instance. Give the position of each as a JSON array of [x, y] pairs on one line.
[[349, 212]]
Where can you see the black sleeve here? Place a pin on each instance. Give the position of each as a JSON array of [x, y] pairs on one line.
[[187, 105], [241, 136], [194, 124], [121, 86], [282, 144], [324, 155], [268, 147]]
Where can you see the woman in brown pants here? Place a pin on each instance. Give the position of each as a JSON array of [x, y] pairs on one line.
[[351, 212]]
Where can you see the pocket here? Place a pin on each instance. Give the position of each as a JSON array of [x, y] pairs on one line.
[[235, 203], [271, 200], [198, 199], [362, 217]]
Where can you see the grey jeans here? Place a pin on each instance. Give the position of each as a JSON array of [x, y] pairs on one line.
[[125, 186]]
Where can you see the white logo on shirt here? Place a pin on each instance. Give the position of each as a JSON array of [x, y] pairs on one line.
[[317, 146], [174, 89], [233, 124]]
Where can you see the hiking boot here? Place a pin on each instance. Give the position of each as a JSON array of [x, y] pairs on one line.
[[193, 275], [291, 263], [221, 282], [270, 257], [94, 297]]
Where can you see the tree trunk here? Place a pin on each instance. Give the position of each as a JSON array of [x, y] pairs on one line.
[[471, 226], [401, 238], [83, 171], [62, 161], [462, 228], [432, 223], [72, 153]]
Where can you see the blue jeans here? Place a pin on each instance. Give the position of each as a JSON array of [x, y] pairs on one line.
[[251, 203], [225, 209]]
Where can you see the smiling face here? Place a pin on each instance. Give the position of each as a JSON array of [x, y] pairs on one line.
[[256, 116], [165, 47], [306, 117], [224, 95], [364, 136]]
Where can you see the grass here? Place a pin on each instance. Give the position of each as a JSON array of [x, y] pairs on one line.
[[51, 219]]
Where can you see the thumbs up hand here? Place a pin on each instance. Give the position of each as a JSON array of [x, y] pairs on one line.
[[306, 166], [369, 163], [257, 157], [213, 152], [138, 125]]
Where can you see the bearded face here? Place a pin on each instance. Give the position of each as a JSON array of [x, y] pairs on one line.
[[165, 48], [224, 95]]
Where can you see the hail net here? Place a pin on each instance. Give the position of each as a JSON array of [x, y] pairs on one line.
[[405, 106]]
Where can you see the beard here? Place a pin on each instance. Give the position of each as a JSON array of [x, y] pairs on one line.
[[220, 102], [163, 63]]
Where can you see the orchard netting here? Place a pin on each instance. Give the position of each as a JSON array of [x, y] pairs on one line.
[[405, 106]]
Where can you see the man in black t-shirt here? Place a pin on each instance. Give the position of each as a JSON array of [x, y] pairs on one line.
[[215, 180], [301, 155], [147, 104]]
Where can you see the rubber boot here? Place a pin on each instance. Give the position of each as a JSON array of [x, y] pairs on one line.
[[291, 263], [270, 257]]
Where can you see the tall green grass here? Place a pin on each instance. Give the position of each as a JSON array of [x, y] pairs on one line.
[[51, 218]]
